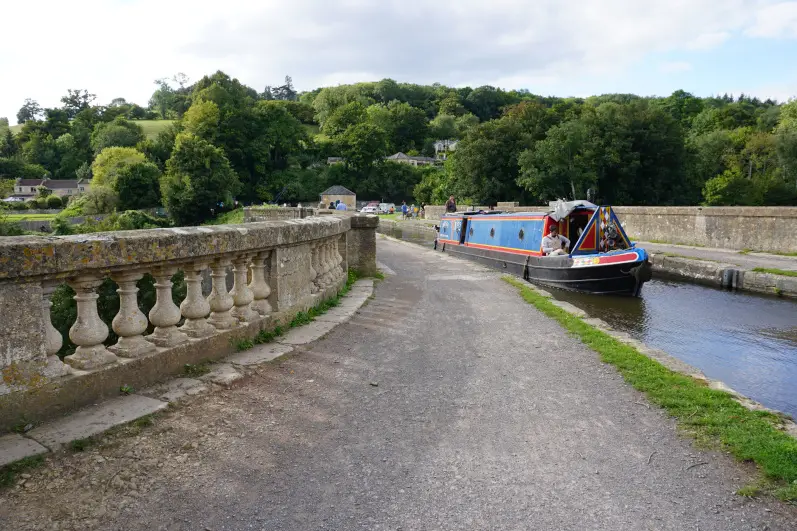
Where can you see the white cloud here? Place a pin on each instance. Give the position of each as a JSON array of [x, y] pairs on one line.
[[116, 48], [675, 67], [778, 20], [707, 41]]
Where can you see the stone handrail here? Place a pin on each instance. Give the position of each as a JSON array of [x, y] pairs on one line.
[[277, 267]]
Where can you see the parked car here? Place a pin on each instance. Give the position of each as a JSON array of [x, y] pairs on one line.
[[387, 208], [369, 210]]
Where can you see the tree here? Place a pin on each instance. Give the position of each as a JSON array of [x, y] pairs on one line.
[[117, 102], [8, 145], [202, 120], [285, 92], [344, 117], [111, 161], [29, 111], [198, 177], [443, 127], [730, 189], [561, 165], [138, 186], [405, 126], [54, 201], [119, 133], [362, 145], [162, 99], [77, 100]]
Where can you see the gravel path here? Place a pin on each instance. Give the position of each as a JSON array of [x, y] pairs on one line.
[[446, 403]]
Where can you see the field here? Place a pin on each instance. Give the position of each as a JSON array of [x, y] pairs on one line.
[[29, 217], [151, 128]]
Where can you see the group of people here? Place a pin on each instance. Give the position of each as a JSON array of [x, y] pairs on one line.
[[412, 211], [334, 205]]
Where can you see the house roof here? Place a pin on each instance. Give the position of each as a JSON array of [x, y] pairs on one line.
[[29, 182], [337, 190], [403, 156], [60, 183]]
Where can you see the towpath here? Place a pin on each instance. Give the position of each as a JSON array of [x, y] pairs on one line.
[[747, 260], [446, 403]]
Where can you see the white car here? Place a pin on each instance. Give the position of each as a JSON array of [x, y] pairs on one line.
[[369, 210]]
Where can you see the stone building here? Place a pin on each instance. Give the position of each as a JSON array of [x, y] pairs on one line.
[[26, 188], [337, 192]]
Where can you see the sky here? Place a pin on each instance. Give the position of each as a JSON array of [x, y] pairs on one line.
[[117, 48]]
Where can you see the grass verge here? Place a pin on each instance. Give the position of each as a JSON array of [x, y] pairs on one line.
[[710, 416], [773, 271], [9, 473]]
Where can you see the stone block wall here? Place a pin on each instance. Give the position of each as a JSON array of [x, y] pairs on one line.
[[255, 213], [277, 268], [361, 244]]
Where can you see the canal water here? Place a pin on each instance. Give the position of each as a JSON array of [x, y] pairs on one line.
[[747, 341]]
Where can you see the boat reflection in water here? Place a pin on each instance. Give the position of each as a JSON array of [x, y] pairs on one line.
[[602, 260], [747, 341]]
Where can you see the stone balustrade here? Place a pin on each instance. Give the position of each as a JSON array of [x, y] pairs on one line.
[[278, 268]]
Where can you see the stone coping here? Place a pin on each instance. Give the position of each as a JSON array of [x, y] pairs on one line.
[[66, 256]]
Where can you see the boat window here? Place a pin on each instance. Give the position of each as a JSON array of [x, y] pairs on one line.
[[577, 223], [464, 231]]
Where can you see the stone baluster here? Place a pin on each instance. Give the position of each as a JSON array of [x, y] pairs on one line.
[[221, 302], [52, 337], [330, 276], [241, 293], [259, 286], [130, 323], [323, 258], [195, 308], [313, 266], [339, 273], [165, 314], [89, 331]]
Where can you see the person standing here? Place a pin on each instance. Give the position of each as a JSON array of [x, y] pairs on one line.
[[341, 205], [451, 205], [404, 209]]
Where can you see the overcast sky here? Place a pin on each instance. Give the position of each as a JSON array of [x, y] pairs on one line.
[[117, 48]]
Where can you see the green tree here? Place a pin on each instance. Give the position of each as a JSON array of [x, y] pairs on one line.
[[562, 165], [110, 161], [406, 126], [344, 117], [198, 177], [202, 119], [443, 127], [362, 146], [138, 186], [77, 100], [119, 133], [29, 111], [730, 189]]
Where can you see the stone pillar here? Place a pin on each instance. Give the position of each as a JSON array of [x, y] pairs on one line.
[[165, 314], [326, 265], [260, 288], [361, 244], [195, 308], [88, 332], [52, 338], [241, 293], [130, 323], [221, 302], [338, 260]]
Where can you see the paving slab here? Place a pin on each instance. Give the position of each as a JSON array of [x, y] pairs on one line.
[[223, 374], [14, 447], [307, 334], [95, 419], [177, 389], [259, 354]]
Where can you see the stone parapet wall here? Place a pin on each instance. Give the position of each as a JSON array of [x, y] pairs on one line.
[[278, 268], [255, 213], [757, 228]]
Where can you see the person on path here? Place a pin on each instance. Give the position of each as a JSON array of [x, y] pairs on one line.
[[404, 210], [554, 244], [451, 205], [341, 205]]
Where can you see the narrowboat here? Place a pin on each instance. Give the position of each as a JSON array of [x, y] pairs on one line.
[[601, 260]]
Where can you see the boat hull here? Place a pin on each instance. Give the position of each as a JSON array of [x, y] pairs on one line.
[[622, 274]]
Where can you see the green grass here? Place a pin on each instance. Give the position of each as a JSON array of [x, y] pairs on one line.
[[748, 251], [773, 271], [233, 217], [151, 128], [194, 371], [29, 217], [710, 416], [8, 473]]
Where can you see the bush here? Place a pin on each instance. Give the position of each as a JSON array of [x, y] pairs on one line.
[[98, 200], [19, 205], [110, 161], [31, 205], [54, 202], [41, 203]]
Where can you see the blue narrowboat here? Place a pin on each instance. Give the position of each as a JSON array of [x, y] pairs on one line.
[[601, 260]]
